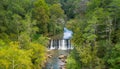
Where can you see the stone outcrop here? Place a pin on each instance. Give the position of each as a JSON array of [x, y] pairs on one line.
[[63, 60], [62, 56]]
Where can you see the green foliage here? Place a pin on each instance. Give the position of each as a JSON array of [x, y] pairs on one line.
[[71, 63], [14, 58], [52, 1], [114, 60], [56, 11], [18, 49], [57, 19], [2, 44], [25, 25], [73, 60], [42, 40], [69, 7], [96, 34], [38, 56], [41, 14]]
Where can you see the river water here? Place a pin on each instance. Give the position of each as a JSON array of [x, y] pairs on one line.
[[54, 62]]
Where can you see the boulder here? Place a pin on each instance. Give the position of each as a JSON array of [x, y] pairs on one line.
[[62, 57], [49, 55]]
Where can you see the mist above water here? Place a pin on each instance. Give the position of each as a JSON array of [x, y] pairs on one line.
[[67, 33]]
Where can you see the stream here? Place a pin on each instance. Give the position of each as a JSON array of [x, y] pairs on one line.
[[54, 62], [59, 50]]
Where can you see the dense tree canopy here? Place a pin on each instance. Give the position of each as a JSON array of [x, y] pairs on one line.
[[27, 25], [24, 32], [96, 35]]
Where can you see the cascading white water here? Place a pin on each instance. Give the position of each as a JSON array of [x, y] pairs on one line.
[[59, 44], [52, 45], [63, 44], [69, 44], [63, 47]]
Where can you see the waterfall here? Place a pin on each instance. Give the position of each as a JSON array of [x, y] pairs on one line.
[[59, 44], [52, 44], [63, 44]]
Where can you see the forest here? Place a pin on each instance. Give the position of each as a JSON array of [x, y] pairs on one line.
[[26, 26]]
